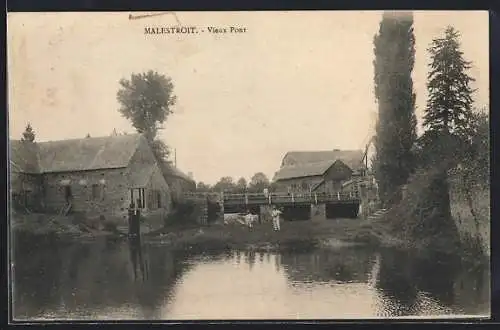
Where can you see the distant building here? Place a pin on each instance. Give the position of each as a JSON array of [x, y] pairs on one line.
[[99, 176], [320, 171], [178, 182]]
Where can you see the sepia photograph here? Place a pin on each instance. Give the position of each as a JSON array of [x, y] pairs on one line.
[[266, 165]]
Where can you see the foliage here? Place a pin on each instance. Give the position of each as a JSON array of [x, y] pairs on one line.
[[449, 105], [28, 134], [202, 187], [146, 99], [475, 159], [422, 219], [161, 150], [394, 48], [258, 182], [225, 183], [241, 185]]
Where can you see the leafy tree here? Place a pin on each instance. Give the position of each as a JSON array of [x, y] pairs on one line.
[[394, 49], [241, 185], [202, 187], [258, 182], [475, 161], [28, 134], [449, 105], [146, 99], [225, 183]]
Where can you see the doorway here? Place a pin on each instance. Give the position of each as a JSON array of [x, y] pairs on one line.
[[68, 195]]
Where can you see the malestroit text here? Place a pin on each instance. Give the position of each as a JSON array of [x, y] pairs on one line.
[[193, 30]]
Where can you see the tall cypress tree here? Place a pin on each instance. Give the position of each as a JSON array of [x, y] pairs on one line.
[[449, 104], [394, 48]]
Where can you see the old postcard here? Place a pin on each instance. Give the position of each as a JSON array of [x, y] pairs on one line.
[[249, 165]]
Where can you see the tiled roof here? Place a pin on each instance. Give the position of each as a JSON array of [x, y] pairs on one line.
[[87, 154], [75, 154], [24, 156], [352, 158], [303, 170], [172, 171]]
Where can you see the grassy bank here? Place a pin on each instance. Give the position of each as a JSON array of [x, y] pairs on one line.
[[293, 235], [47, 225]]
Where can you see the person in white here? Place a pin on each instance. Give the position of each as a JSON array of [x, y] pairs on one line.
[[276, 219], [249, 219]]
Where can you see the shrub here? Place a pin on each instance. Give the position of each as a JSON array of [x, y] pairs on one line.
[[422, 219]]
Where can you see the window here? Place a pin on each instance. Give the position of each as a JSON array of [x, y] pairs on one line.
[[95, 192], [137, 198]]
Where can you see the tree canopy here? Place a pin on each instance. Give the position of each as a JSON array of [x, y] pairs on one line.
[[225, 183], [146, 99], [241, 185], [258, 182], [394, 49], [449, 105]]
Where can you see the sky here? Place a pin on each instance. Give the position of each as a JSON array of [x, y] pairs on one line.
[[292, 81]]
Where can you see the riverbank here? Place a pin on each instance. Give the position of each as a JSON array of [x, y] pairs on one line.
[[60, 227], [434, 216], [293, 235]]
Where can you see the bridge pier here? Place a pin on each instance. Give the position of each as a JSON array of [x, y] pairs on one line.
[[318, 212], [265, 213]]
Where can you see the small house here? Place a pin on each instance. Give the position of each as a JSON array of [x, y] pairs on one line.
[[94, 175], [320, 171]]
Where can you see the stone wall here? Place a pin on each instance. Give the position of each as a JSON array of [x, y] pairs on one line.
[[89, 194], [471, 216], [318, 212]]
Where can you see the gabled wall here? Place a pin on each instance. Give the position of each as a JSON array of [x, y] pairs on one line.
[[109, 201]]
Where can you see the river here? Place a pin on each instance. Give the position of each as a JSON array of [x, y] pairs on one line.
[[109, 280]]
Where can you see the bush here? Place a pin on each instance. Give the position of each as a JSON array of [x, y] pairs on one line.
[[186, 212], [422, 219]]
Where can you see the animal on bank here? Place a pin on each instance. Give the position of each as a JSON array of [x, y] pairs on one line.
[[250, 219]]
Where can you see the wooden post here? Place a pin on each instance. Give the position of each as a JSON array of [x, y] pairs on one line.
[[270, 201], [316, 198], [338, 195], [246, 199], [293, 198]]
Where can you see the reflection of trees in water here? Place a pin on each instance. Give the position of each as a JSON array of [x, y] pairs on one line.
[[402, 276], [39, 292], [346, 265], [94, 276], [396, 285], [250, 258]]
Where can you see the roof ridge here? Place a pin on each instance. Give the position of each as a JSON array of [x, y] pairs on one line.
[[90, 138]]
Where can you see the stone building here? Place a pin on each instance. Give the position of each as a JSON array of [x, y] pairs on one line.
[[320, 171], [178, 182], [94, 176]]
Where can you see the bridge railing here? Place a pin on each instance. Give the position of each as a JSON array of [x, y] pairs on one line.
[[261, 198], [290, 198]]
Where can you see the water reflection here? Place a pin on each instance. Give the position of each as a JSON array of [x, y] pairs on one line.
[[104, 279]]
